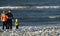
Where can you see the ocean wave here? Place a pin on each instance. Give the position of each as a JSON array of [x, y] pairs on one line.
[[29, 7], [41, 19], [54, 16]]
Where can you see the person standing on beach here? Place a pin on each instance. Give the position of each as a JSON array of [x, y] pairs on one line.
[[9, 21], [4, 18], [16, 23]]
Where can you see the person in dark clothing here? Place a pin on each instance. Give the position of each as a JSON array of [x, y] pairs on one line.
[[9, 21]]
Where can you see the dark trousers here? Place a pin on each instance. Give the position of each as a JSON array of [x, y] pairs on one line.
[[4, 25], [9, 25], [16, 27]]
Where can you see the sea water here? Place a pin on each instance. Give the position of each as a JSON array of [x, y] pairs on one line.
[[36, 17], [32, 16]]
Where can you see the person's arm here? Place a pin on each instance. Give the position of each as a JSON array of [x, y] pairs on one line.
[[11, 15], [1, 17], [12, 18]]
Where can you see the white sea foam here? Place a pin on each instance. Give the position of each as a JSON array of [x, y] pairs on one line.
[[54, 16], [37, 7]]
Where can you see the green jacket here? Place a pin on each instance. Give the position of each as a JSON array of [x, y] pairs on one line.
[[16, 23]]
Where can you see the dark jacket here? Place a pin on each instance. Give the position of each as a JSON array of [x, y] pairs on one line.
[[10, 16]]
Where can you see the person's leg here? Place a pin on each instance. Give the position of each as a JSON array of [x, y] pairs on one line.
[[16, 27], [3, 25], [7, 25], [10, 25]]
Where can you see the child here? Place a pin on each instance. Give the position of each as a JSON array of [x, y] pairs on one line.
[[16, 23]]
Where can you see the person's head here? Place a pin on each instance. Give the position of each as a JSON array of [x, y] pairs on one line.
[[9, 11], [4, 12], [16, 20]]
